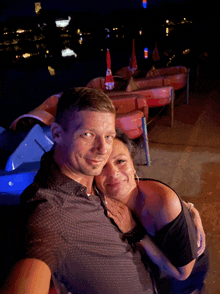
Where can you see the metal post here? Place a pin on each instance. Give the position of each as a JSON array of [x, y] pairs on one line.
[[172, 107], [187, 85], [146, 145]]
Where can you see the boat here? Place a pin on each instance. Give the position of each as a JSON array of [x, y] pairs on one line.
[[44, 114], [154, 96], [177, 75], [21, 152], [129, 114]]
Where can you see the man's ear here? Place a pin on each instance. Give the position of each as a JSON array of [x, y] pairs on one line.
[[57, 132]]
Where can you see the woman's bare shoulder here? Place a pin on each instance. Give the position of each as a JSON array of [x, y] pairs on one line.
[[160, 200]]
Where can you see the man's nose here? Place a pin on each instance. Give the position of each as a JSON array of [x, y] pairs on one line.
[[101, 145]]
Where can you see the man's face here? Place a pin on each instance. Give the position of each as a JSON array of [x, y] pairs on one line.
[[87, 144]]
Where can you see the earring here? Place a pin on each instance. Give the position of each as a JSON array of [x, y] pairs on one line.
[[136, 177]]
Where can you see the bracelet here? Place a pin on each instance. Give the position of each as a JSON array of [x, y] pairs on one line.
[[190, 206], [135, 235]]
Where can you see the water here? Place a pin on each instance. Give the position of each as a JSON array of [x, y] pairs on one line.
[[23, 89]]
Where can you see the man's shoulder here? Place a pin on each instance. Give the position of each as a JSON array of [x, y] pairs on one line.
[[35, 192]]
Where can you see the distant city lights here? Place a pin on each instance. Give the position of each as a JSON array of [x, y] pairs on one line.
[[37, 7], [13, 47], [108, 36], [51, 70], [185, 21], [80, 40], [26, 55], [68, 52], [187, 51], [19, 31], [144, 3], [63, 22], [145, 53]]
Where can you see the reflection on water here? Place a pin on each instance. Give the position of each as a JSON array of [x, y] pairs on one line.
[[22, 89], [40, 71]]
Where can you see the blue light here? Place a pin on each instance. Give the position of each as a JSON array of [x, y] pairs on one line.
[[146, 53], [144, 4]]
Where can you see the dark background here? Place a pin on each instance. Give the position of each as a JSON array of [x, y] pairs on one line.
[[24, 85]]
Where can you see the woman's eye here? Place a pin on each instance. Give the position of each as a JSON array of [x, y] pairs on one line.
[[110, 138], [120, 161]]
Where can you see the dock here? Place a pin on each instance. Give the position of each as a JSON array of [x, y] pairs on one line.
[[187, 157]]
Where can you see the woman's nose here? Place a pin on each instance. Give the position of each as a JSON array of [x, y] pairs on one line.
[[112, 171]]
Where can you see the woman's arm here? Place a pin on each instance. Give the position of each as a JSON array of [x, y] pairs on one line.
[[161, 202], [160, 259], [124, 220]]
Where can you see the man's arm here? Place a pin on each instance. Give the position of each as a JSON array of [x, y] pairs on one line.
[[28, 276]]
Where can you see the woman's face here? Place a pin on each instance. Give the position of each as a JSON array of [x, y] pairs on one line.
[[117, 177]]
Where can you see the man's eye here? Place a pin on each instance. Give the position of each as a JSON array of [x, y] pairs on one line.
[[86, 135]]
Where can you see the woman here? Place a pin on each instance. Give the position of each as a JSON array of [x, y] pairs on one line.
[[169, 239]]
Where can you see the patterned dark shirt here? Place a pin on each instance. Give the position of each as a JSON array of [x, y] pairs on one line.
[[69, 231]]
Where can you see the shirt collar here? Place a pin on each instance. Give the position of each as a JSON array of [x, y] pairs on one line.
[[49, 173]]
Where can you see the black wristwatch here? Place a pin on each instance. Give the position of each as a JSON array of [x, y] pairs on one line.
[[135, 235]]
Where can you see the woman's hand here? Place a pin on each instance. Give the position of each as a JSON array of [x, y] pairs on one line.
[[121, 214], [201, 238]]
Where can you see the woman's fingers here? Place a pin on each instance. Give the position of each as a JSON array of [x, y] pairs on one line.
[[201, 237], [121, 215], [113, 207], [201, 243]]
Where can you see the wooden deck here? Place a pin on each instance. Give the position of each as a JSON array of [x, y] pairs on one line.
[[187, 157]]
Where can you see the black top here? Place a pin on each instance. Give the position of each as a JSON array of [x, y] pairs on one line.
[[178, 241], [69, 231]]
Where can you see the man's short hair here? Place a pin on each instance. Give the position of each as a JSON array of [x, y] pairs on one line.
[[79, 99]]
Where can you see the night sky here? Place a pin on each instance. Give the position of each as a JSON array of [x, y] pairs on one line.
[[26, 7]]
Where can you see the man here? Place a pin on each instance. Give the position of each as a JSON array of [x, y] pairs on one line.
[[67, 233]]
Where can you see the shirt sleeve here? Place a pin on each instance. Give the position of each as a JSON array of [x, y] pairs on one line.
[[44, 238], [177, 239]]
